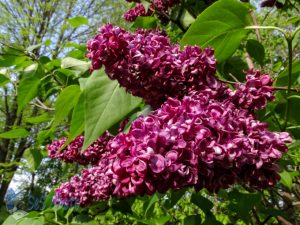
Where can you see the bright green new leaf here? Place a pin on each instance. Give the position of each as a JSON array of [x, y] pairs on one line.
[[33, 157], [15, 133], [186, 18], [33, 47], [27, 90], [66, 102], [220, 26], [78, 21], [105, 105], [38, 119], [287, 178], [14, 218], [256, 51], [32, 221], [75, 65]]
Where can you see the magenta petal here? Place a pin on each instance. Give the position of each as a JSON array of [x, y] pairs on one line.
[[157, 163]]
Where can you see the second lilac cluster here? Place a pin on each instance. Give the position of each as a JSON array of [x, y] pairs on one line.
[[255, 93], [161, 7], [72, 152], [149, 66]]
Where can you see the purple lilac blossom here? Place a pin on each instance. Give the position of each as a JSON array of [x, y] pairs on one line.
[[72, 152], [149, 66], [199, 141], [138, 10], [255, 93], [162, 7]]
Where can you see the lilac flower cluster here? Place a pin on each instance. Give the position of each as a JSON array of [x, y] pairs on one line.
[[94, 184], [72, 152], [149, 66], [255, 93], [138, 10], [162, 7], [202, 134], [199, 141]]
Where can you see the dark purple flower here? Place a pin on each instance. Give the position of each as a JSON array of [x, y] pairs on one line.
[[255, 93], [73, 152], [149, 66], [138, 10]]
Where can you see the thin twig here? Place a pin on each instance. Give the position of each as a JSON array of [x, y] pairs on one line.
[[274, 88]]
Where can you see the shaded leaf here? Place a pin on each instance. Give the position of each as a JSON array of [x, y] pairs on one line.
[[157, 221], [145, 22], [256, 50], [192, 220], [203, 203]]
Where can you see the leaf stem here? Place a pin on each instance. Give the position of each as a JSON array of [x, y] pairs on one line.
[[295, 32], [269, 28], [290, 61]]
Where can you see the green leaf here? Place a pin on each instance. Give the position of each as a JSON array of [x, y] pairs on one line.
[[256, 50], [16, 133], [76, 65], [234, 66], [78, 21], [174, 197], [77, 122], [105, 105], [157, 221], [33, 47], [210, 219], [149, 205], [27, 90], [145, 22], [192, 220], [186, 19], [38, 119], [220, 26], [11, 60], [14, 218], [203, 203], [287, 178], [32, 221], [282, 78], [3, 80], [238, 200], [66, 102], [33, 157]]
